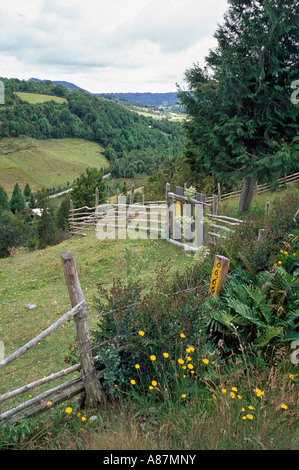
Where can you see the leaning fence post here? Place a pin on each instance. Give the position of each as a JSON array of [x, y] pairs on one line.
[[93, 388], [219, 273], [97, 197]]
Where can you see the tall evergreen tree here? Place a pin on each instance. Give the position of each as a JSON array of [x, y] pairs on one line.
[[17, 202], [4, 203], [27, 191], [83, 192], [244, 125]]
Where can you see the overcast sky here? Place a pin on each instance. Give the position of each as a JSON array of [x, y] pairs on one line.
[[107, 45]]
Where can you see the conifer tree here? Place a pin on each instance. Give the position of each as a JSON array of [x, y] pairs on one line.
[[244, 125], [17, 202], [4, 203]]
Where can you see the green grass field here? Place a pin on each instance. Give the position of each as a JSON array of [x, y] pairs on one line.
[[34, 98], [46, 163], [37, 278]]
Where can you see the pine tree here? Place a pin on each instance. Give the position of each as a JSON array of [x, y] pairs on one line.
[[17, 202], [83, 192], [46, 226], [243, 122], [27, 191], [4, 204]]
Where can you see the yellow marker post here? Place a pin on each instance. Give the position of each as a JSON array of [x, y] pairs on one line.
[[219, 273]]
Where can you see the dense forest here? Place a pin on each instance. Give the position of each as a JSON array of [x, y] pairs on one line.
[[134, 144]]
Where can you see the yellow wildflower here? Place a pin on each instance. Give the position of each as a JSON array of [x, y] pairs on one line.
[[234, 389], [137, 366], [153, 358], [184, 395], [182, 335], [190, 366], [205, 361], [141, 333], [166, 354], [180, 361], [132, 382], [68, 410], [284, 407], [249, 417], [154, 383]]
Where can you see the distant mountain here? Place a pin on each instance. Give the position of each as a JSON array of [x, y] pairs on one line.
[[144, 99], [69, 85]]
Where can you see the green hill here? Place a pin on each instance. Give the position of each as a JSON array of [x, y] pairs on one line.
[[46, 163], [132, 142]]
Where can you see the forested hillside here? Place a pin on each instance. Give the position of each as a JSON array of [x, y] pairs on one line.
[[133, 143]]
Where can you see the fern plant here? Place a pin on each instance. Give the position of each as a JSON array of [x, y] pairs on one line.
[[261, 313]]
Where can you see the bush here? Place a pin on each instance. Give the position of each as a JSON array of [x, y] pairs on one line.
[[147, 326], [244, 247]]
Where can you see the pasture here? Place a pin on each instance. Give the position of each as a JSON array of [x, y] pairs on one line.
[[46, 163]]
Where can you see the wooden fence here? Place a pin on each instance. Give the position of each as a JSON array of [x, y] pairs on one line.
[[180, 220], [88, 384], [282, 182]]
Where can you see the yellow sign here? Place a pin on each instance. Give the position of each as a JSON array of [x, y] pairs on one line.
[[215, 278], [178, 208]]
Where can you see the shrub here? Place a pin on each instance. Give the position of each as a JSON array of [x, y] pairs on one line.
[[149, 325]]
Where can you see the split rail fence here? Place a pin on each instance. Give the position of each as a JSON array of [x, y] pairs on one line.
[[281, 182], [87, 385], [178, 219]]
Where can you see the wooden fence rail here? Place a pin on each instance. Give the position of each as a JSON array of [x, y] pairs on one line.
[[283, 181], [88, 383]]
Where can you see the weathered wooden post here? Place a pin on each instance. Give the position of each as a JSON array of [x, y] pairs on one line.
[[219, 191], [93, 388], [142, 192], [214, 212], [219, 273], [132, 194], [199, 215], [179, 230], [97, 197], [170, 211], [267, 208]]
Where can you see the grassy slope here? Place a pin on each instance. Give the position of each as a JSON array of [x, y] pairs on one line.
[[38, 278], [48, 162], [34, 98]]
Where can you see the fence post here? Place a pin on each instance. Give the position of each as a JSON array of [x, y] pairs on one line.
[[267, 208], [93, 388], [170, 210], [97, 197], [219, 273], [142, 192], [179, 230], [199, 215], [132, 194]]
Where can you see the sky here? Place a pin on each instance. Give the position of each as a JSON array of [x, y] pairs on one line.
[[107, 46]]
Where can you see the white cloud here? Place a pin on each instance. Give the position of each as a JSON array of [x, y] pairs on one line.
[[107, 46]]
